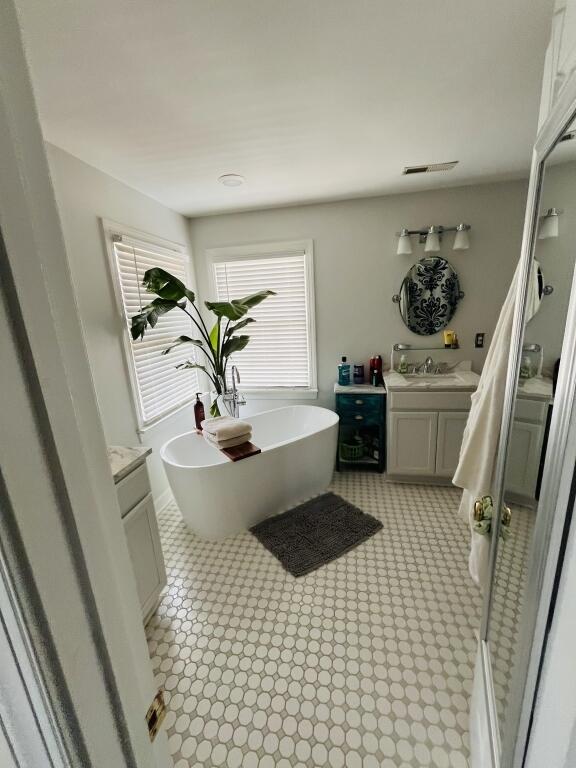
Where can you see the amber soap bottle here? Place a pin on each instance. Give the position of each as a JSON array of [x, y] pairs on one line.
[[199, 412]]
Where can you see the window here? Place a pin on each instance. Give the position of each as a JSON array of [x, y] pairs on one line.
[[158, 388], [280, 358]]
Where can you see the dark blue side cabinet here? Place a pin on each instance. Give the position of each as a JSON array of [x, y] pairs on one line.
[[362, 431]]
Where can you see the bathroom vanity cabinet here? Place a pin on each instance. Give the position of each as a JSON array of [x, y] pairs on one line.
[[425, 430], [525, 448], [362, 432], [140, 525]]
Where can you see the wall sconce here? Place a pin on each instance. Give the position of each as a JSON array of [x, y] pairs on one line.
[[432, 240], [432, 237], [404, 243], [549, 223], [461, 241]]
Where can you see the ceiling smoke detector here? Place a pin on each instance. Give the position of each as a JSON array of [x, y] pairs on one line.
[[430, 168], [231, 179]]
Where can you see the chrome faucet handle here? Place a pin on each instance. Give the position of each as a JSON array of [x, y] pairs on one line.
[[235, 374]]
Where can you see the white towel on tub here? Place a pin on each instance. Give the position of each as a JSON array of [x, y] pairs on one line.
[[225, 427], [230, 443]]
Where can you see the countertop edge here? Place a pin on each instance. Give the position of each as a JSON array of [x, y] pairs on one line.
[[124, 459]]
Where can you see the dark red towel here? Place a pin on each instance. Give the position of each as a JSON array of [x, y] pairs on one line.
[[243, 451]]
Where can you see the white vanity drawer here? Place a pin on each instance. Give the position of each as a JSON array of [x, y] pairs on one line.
[[133, 489], [530, 410], [431, 401]]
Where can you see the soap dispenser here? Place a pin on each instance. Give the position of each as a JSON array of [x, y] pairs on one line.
[[199, 414], [403, 365]]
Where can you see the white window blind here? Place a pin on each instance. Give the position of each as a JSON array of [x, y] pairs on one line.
[[158, 387], [280, 353]]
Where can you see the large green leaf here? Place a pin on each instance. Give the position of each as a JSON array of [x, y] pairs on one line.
[[255, 298], [149, 315], [215, 337], [242, 324], [189, 364], [234, 344], [237, 308], [230, 309], [183, 340], [165, 285]]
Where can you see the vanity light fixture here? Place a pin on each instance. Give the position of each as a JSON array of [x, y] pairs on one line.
[[432, 237], [549, 223], [461, 241], [432, 240], [404, 243]]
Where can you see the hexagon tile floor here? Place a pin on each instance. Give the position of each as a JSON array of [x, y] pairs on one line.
[[365, 663]]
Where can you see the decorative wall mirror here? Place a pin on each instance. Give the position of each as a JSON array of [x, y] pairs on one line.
[[429, 296], [533, 445]]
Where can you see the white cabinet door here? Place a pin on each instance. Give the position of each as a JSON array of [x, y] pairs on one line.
[[450, 430], [143, 539], [412, 442], [524, 458]]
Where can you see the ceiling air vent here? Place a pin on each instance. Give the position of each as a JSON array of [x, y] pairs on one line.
[[430, 168]]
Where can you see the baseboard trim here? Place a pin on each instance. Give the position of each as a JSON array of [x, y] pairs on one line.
[[163, 500]]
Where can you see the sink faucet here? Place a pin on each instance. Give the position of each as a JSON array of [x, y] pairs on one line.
[[234, 399], [428, 365]]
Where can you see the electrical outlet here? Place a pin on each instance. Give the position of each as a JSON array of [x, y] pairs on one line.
[[479, 340]]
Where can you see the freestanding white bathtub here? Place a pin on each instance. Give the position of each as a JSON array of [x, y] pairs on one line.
[[218, 497]]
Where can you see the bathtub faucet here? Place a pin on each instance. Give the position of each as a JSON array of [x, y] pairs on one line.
[[234, 399]]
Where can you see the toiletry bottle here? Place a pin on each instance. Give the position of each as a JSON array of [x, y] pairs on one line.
[[455, 344], [344, 373], [403, 365], [199, 415], [525, 368], [379, 366], [358, 373]]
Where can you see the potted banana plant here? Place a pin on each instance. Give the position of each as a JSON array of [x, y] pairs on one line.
[[217, 344]]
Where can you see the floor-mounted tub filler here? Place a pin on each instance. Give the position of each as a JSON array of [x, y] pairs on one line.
[[218, 497]]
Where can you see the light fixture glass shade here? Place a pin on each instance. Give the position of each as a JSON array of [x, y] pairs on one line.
[[432, 241], [549, 224], [461, 241], [404, 243]]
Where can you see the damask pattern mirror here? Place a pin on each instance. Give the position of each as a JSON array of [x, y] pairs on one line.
[[429, 296]]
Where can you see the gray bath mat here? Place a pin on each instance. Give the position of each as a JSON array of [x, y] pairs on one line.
[[315, 533]]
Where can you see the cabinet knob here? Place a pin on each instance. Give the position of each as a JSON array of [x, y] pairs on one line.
[[359, 402], [359, 418]]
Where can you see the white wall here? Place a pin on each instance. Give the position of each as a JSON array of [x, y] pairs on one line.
[[357, 270], [85, 195]]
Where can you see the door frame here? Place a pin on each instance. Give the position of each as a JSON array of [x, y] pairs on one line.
[[70, 610], [556, 480]]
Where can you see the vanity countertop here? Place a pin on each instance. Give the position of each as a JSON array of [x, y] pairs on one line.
[[457, 380], [359, 389], [123, 459], [536, 388]]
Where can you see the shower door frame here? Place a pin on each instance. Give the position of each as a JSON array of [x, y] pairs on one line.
[[556, 480]]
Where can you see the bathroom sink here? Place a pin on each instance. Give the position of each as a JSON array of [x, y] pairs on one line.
[[433, 378], [459, 379]]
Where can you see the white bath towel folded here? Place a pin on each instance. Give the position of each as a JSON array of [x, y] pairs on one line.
[[225, 427], [230, 443]]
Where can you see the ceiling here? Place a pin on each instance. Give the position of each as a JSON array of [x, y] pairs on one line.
[[307, 99]]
